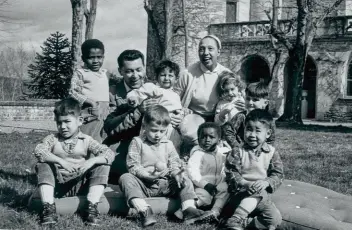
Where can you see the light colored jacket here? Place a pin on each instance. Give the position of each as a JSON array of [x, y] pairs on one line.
[[207, 167]]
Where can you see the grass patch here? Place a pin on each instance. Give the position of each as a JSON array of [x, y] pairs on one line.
[[315, 155]]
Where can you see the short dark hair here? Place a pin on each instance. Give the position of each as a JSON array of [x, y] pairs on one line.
[[258, 89], [207, 125], [262, 116], [226, 78], [91, 44], [167, 64], [158, 115], [129, 55], [68, 106]]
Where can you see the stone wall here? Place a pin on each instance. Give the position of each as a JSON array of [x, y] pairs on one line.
[[27, 110]]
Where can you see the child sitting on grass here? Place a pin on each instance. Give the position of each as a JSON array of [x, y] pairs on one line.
[[230, 88], [206, 170], [155, 169], [257, 95], [71, 163], [253, 172], [90, 86]]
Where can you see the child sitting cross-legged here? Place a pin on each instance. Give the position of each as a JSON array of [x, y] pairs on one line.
[[71, 163], [253, 172], [206, 170], [155, 169]]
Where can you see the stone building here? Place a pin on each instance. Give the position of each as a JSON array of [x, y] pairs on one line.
[[242, 27]]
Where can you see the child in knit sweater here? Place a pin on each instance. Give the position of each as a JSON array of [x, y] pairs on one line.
[[71, 163], [206, 170], [90, 86], [155, 169], [253, 172]]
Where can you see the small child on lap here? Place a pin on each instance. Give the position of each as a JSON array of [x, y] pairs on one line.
[[71, 163], [206, 170], [90, 86], [230, 88], [253, 172], [155, 169]]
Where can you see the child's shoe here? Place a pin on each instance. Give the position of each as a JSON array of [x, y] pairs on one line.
[[234, 223], [91, 214], [191, 215], [48, 215], [147, 217], [210, 216]]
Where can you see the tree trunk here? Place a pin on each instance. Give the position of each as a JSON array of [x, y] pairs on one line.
[[90, 18], [168, 28], [77, 27], [186, 32]]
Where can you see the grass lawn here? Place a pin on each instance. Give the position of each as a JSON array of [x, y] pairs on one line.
[[311, 154]]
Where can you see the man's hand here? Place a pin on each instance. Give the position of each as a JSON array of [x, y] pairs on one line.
[[69, 167], [211, 189], [248, 187], [240, 105], [176, 118], [259, 186], [87, 165], [148, 103]]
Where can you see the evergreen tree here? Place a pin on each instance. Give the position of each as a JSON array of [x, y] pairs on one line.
[[51, 72]]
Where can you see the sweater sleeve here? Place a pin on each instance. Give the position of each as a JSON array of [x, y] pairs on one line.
[[76, 87], [193, 169], [134, 160], [181, 85], [97, 149], [45, 147], [231, 129], [234, 177], [275, 172]]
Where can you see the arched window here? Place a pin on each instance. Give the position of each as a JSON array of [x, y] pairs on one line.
[[254, 68]]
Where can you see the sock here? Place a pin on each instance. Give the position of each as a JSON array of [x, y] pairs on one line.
[[188, 204], [139, 204], [241, 212], [95, 192], [249, 204], [46, 193]]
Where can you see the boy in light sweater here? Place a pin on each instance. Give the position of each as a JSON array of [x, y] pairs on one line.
[[90, 86], [155, 170], [253, 172]]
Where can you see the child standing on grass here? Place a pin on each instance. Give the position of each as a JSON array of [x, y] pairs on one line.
[[71, 163], [155, 169], [206, 170], [230, 88], [257, 95], [253, 172], [90, 86]]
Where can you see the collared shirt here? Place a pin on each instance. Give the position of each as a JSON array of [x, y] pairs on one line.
[[77, 149], [143, 155], [89, 84], [128, 89], [244, 164]]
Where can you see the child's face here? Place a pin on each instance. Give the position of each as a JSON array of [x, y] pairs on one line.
[[166, 78], [230, 92], [208, 139], [68, 125], [94, 60], [155, 132], [256, 133], [255, 103]]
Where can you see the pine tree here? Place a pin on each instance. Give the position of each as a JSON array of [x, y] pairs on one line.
[[51, 72]]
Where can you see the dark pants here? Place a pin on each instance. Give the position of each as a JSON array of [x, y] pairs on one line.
[[133, 187], [46, 174], [265, 215]]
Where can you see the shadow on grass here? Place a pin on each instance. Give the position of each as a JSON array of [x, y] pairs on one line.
[[30, 178], [11, 198], [314, 128]]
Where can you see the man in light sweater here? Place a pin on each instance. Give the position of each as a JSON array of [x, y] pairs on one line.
[[253, 172]]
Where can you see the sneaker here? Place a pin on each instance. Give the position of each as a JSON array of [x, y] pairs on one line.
[[191, 215], [179, 214], [234, 223], [91, 214], [210, 216], [48, 215], [147, 217]]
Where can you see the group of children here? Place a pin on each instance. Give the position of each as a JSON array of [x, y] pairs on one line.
[[241, 175]]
